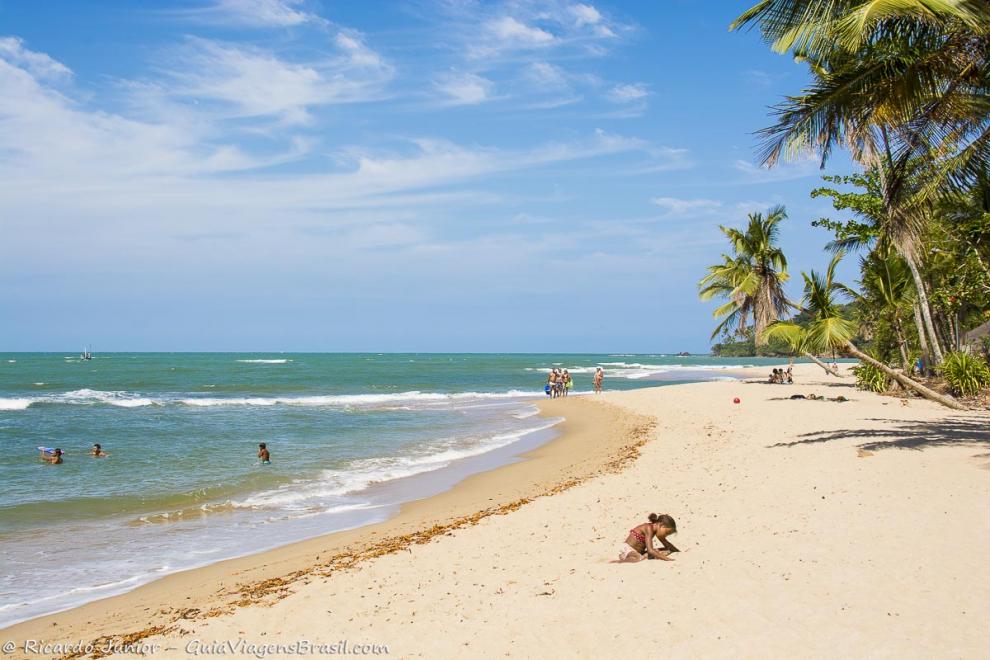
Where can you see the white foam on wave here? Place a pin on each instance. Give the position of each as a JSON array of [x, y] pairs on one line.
[[80, 397], [121, 399], [361, 474], [356, 400], [265, 361]]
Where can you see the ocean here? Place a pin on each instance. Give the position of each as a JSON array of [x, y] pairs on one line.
[[351, 436]]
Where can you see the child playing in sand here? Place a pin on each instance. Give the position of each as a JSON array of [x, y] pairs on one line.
[[639, 543]]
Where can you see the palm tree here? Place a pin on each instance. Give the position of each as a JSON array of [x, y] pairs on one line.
[[894, 79], [887, 281], [751, 279], [828, 330]]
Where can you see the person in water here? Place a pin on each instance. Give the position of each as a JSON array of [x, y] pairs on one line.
[[97, 451], [263, 453], [54, 458], [639, 543]]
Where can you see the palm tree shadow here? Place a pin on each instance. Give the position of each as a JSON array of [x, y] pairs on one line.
[[951, 432]]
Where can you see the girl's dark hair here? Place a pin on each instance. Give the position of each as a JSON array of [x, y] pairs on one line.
[[664, 520]]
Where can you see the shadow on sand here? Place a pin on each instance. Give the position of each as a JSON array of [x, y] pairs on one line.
[[954, 432]]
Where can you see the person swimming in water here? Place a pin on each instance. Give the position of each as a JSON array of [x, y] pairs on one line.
[[55, 458], [263, 454], [97, 451], [639, 543]]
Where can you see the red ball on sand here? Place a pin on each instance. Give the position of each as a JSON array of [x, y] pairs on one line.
[[736, 400]]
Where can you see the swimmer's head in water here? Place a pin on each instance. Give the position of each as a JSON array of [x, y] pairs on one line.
[[97, 447], [262, 445], [58, 452], [664, 521]]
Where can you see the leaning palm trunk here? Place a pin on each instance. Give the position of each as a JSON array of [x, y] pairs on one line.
[[904, 380], [828, 369], [926, 310]]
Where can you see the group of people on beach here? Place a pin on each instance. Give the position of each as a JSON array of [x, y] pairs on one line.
[[781, 376], [559, 382]]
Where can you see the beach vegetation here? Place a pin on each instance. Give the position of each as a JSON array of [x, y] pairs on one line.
[[749, 280], [870, 378], [903, 85], [830, 330], [965, 373]]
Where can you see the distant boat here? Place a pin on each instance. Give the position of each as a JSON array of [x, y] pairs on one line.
[[86, 355]]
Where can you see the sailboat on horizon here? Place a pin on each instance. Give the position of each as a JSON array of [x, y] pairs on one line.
[[86, 355]]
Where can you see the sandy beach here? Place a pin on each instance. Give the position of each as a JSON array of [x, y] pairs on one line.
[[807, 529]]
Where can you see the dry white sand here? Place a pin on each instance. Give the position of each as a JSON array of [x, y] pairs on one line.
[[809, 529]]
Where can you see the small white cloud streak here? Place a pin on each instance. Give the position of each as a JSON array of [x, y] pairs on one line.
[[628, 93], [675, 206], [464, 89], [798, 169], [37, 64], [254, 13]]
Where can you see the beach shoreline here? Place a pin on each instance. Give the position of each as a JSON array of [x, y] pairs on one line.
[[579, 450], [808, 528]]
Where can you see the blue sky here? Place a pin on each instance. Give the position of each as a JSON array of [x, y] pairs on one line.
[[337, 176]]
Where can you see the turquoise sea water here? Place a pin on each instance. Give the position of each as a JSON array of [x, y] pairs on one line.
[[351, 436]]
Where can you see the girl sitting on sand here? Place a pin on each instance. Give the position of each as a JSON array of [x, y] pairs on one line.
[[639, 543]]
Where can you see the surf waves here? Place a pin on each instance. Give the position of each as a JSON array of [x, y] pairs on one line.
[[133, 400]]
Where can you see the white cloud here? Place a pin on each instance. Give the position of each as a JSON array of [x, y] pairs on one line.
[[674, 206], [464, 89], [628, 93], [758, 77], [798, 169], [504, 29], [37, 64], [256, 13], [546, 75], [513, 32], [250, 82], [585, 15]]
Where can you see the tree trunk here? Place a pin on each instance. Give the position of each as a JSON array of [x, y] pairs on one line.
[[921, 334], [902, 343], [908, 383], [926, 310], [821, 364]]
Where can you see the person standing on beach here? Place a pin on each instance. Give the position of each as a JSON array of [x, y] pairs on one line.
[[568, 383], [599, 376], [263, 454]]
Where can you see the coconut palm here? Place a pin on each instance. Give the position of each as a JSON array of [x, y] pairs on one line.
[[829, 330], [911, 74], [893, 79], [751, 279], [890, 292]]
